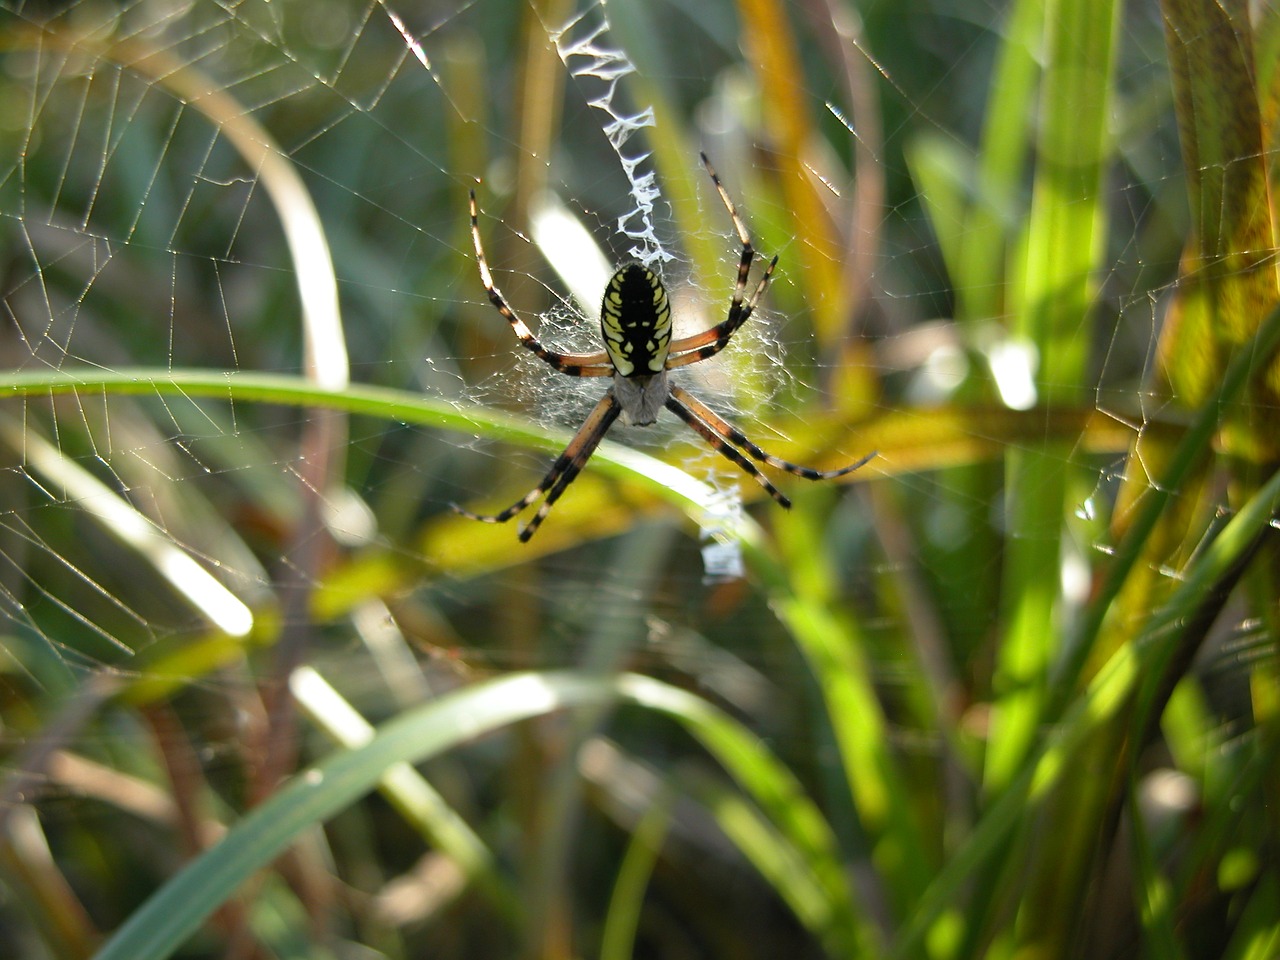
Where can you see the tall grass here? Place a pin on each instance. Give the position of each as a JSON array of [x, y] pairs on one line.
[[1011, 693]]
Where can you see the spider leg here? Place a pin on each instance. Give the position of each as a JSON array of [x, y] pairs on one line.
[[728, 432], [722, 448], [573, 364], [748, 254], [566, 468], [570, 472], [700, 346], [710, 342]]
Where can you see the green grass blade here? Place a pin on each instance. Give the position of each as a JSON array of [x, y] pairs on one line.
[[406, 789], [774, 789], [1230, 281], [177, 910], [173, 914], [1257, 935], [1195, 445], [623, 917], [1065, 241], [611, 459], [1108, 692], [802, 595]]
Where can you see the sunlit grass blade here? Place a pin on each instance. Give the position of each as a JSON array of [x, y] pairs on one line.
[[774, 789], [1226, 289], [1153, 891], [1110, 691], [1053, 302], [1195, 445], [1002, 157], [907, 441], [416, 799], [659, 479], [771, 45], [1064, 245], [617, 942], [786, 871], [170, 563], [1229, 281], [803, 596], [973, 199], [1257, 934], [176, 911]]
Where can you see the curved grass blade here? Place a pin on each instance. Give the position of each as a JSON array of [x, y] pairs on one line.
[[178, 909]]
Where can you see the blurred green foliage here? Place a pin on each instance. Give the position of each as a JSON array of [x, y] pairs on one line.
[[1011, 693]]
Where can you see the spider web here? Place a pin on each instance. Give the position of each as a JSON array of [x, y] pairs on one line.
[[142, 231], [159, 162]]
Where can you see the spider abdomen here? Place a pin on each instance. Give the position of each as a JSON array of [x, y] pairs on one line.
[[635, 321], [641, 398]]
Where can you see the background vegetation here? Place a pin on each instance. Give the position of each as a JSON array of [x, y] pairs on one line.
[[1012, 693]]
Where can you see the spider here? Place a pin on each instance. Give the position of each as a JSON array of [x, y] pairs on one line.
[[635, 323]]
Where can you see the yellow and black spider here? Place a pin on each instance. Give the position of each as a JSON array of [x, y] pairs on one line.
[[635, 322]]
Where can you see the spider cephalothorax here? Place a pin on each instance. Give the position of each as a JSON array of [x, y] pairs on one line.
[[635, 324]]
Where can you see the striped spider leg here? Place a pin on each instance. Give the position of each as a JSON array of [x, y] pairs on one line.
[[572, 364]]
